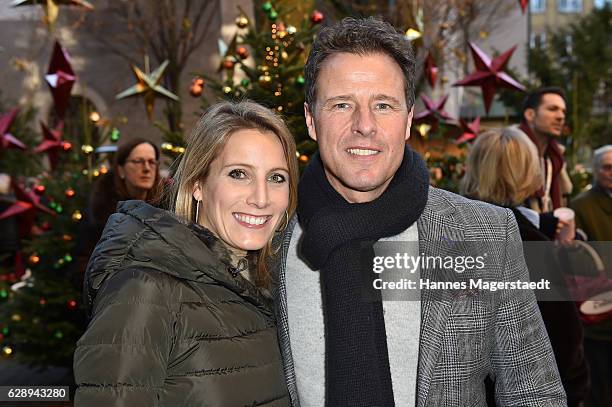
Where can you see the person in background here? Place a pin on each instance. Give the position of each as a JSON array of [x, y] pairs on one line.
[[180, 302], [543, 121], [502, 168], [594, 216]]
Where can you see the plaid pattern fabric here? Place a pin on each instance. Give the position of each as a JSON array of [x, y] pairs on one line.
[[465, 338]]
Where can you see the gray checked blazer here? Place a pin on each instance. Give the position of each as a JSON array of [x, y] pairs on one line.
[[465, 338]]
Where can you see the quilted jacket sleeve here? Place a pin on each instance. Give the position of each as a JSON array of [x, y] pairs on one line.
[[523, 360], [121, 359]]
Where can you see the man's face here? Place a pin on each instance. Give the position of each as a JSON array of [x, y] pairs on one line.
[[361, 122], [603, 175], [549, 117]]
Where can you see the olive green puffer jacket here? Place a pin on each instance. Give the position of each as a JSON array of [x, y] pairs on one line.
[[170, 326]]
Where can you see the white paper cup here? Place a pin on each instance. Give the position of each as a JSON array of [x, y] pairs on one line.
[[566, 215]]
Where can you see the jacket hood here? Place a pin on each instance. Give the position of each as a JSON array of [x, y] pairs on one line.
[[140, 235]]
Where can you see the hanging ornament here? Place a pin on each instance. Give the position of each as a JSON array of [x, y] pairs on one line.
[[94, 116], [39, 189], [273, 15], [242, 21], [431, 70], [433, 113], [59, 208], [87, 149], [67, 258], [412, 34], [423, 129], [291, 30], [245, 82], [242, 52], [523, 4], [3, 294], [42, 301], [26, 205], [196, 87], [304, 158], [227, 89], [33, 259], [77, 215], [148, 86], [67, 238], [115, 135], [52, 143], [69, 193], [266, 7], [60, 77], [228, 63], [51, 7], [265, 79], [7, 351], [72, 304], [469, 130], [58, 335], [300, 80], [489, 74], [317, 17], [7, 140]]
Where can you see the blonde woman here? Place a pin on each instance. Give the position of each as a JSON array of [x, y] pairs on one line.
[[181, 314], [503, 168]]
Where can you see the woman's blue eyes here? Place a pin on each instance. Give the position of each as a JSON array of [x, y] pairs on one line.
[[241, 174]]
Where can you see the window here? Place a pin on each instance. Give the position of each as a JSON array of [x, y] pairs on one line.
[[569, 6], [537, 6], [537, 40], [602, 3]]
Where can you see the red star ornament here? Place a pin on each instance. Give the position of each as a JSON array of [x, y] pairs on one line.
[[7, 140], [431, 70], [26, 205], [60, 78], [489, 74], [52, 142], [469, 130], [523, 4], [434, 111]]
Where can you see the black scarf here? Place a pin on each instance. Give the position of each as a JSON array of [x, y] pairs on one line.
[[335, 233]]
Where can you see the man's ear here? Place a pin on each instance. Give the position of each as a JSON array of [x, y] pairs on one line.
[[312, 131], [409, 123], [529, 115], [197, 191]]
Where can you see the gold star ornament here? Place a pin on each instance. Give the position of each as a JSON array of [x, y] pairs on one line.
[[148, 86]]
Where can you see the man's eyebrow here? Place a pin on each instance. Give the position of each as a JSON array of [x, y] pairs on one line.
[[336, 99], [382, 96]]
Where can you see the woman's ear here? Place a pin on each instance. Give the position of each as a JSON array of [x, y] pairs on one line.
[[197, 191], [121, 172]]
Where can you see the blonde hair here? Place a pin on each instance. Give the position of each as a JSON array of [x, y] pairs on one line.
[[502, 168], [206, 142]]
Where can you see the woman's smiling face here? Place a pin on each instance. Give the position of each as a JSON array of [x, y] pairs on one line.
[[246, 191]]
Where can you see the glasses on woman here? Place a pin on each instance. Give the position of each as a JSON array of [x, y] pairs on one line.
[[141, 162]]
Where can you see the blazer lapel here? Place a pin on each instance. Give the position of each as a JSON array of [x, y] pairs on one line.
[[437, 231]]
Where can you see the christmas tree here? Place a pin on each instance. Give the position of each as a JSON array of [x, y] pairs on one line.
[[41, 311], [265, 63]]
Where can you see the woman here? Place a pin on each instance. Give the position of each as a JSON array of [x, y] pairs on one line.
[[503, 168], [134, 175], [181, 314]]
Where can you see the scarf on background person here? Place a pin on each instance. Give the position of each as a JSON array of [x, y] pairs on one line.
[[553, 152], [335, 234]]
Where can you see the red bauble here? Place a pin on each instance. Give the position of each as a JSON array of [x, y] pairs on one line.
[[242, 52], [39, 189], [228, 63], [317, 17], [196, 87]]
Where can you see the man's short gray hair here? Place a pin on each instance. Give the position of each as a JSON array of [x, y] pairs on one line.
[[598, 155]]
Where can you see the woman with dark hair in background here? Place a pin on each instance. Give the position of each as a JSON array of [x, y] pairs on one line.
[[502, 168]]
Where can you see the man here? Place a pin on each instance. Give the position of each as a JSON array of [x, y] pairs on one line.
[[365, 186], [343, 349], [594, 216], [543, 120]]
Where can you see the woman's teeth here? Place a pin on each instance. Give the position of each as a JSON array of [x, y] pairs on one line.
[[251, 220]]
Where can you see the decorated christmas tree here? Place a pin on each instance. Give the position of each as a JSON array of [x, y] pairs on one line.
[[41, 310], [265, 63]]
